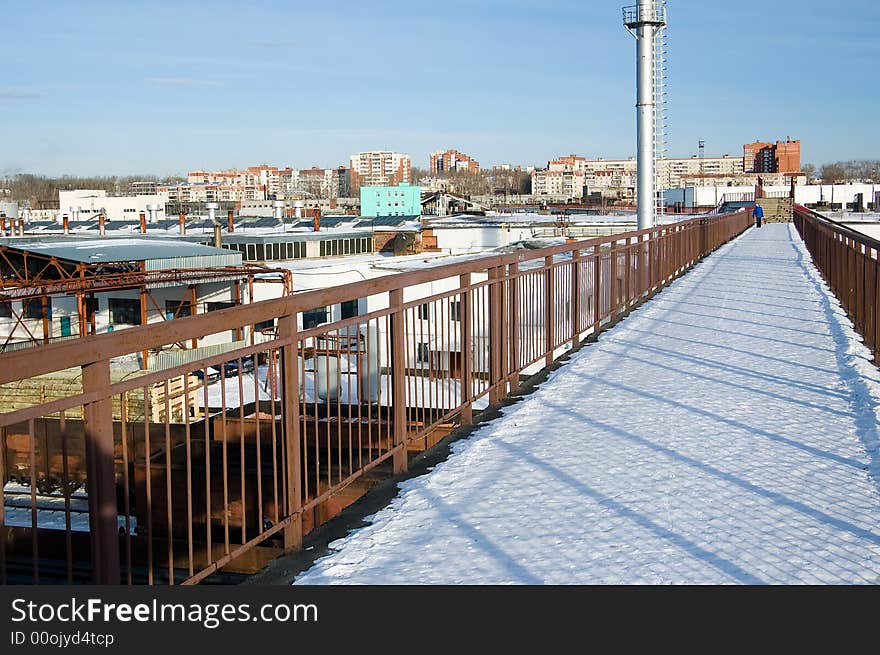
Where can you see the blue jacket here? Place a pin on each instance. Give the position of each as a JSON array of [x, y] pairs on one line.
[[759, 211]]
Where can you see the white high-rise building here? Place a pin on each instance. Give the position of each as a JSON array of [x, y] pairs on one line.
[[379, 168]]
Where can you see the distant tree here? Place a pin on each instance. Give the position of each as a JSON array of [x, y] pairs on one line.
[[833, 173], [42, 191], [810, 172], [417, 174], [854, 170]]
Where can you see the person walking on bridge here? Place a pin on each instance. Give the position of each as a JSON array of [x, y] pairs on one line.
[[759, 215]]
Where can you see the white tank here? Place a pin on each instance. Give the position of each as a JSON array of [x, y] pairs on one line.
[[327, 377]]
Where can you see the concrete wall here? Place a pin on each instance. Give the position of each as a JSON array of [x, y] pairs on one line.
[[457, 240], [805, 194]]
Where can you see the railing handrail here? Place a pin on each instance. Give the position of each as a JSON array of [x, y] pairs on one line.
[[840, 228], [20, 365]]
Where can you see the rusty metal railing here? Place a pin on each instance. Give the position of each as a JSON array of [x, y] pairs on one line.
[[217, 465], [848, 260]]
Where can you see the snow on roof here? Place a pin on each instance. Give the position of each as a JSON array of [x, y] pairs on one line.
[[107, 250]]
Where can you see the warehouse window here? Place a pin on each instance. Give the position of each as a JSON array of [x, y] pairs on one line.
[[177, 309], [315, 317], [33, 308], [265, 325], [125, 311], [5, 309], [217, 306], [350, 308]]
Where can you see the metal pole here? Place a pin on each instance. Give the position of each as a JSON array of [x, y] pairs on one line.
[[645, 124]]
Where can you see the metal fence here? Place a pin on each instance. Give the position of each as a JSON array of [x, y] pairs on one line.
[[848, 260], [223, 463]]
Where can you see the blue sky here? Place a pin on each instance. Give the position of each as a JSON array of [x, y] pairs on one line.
[[94, 87]]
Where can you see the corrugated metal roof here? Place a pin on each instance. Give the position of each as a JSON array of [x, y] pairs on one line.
[[98, 251]]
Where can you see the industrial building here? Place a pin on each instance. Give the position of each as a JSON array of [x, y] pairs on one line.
[[71, 286], [401, 200], [86, 204]]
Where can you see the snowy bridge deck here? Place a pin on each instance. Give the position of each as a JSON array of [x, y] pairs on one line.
[[726, 432]]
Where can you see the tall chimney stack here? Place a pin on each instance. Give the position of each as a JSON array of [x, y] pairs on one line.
[[646, 21], [181, 219], [3, 224], [230, 221], [143, 223], [316, 220], [101, 224], [218, 238], [65, 222]]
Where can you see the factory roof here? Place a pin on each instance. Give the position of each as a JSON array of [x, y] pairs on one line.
[[108, 250]]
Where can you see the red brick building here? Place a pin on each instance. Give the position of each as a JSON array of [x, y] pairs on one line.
[[452, 160], [779, 157]]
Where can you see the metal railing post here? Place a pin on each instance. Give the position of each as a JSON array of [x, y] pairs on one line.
[[467, 352], [549, 310], [597, 289], [575, 297], [496, 336], [398, 379], [103, 512], [514, 325], [287, 331]]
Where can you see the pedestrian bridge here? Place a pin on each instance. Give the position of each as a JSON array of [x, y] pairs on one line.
[[725, 432], [714, 421]]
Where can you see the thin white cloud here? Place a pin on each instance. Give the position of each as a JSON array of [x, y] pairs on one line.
[[9, 94], [277, 44], [183, 83]]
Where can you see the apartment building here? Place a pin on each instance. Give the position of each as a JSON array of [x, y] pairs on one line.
[[564, 176], [379, 168], [318, 182], [779, 157], [445, 161]]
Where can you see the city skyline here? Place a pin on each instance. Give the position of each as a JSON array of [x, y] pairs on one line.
[[99, 89]]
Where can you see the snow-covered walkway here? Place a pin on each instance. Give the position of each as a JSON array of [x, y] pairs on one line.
[[726, 432]]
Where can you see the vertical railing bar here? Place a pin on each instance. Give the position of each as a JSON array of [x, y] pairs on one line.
[[123, 418], [169, 501], [208, 443], [189, 466], [148, 474], [259, 455], [225, 460], [65, 487], [241, 448], [32, 463]]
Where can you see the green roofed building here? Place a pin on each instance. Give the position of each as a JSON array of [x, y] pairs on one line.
[[401, 200]]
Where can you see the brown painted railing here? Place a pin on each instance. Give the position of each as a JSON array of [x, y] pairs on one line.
[[227, 461], [848, 260]]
